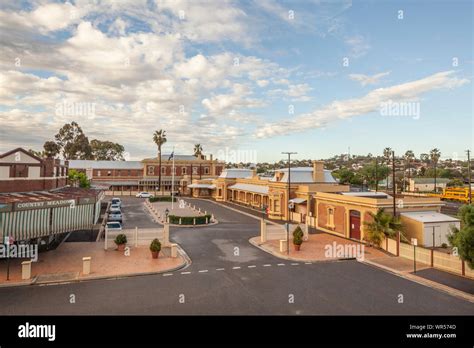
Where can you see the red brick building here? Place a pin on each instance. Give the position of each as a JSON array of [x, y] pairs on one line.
[[21, 171]]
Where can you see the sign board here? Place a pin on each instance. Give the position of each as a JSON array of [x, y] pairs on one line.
[[414, 241], [44, 204]]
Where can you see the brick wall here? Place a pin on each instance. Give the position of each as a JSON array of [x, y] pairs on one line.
[[339, 217], [31, 185]]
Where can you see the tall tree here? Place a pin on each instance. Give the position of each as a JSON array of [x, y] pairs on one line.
[[463, 239], [73, 143], [409, 157], [107, 150], [435, 154], [159, 138], [197, 150], [36, 153], [387, 153], [51, 149]]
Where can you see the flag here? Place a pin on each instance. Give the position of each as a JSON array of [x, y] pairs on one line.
[[171, 156]]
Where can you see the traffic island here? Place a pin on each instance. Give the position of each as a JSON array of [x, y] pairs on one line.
[[66, 264]]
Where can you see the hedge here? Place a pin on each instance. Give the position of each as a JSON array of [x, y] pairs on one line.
[[189, 220], [161, 199]]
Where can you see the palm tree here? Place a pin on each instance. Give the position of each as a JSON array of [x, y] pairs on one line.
[[382, 225], [435, 154], [159, 138], [387, 152], [197, 150], [409, 156]]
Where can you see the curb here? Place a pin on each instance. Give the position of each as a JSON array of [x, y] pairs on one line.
[[157, 221], [426, 282]]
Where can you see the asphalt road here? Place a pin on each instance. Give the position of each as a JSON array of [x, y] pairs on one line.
[[229, 276]]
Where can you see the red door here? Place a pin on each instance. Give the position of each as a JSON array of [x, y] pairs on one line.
[[354, 227]]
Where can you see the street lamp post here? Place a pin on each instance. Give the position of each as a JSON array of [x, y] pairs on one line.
[[288, 202]]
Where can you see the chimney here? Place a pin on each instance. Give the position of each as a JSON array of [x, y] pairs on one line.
[[210, 157], [318, 171]]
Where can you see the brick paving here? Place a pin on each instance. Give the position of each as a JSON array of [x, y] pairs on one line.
[[67, 258]]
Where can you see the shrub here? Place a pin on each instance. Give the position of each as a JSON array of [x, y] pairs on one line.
[[189, 220], [298, 236], [444, 245], [155, 245], [161, 199], [121, 239]]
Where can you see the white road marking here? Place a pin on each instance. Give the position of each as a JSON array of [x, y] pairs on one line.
[[185, 272], [237, 267], [203, 271], [280, 264], [266, 265], [220, 269], [252, 266], [295, 264], [167, 274]]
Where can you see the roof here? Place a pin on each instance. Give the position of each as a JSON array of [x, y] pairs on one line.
[[164, 157], [368, 194], [429, 216], [208, 186], [116, 183], [38, 196], [20, 149], [236, 173], [91, 164], [303, 174], [251, 188], [298, 200], [430, 180]]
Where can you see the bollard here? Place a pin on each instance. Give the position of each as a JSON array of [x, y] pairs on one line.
[[180, 221], [207, 220], [213, 219], [194, 221], [166, 234], [263, 231], [86, 265], [174, 250], [205, 212], [26, 270], [282, 245]]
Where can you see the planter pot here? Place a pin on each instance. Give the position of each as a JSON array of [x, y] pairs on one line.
[[154, 254], [297, 247], [121, 247]]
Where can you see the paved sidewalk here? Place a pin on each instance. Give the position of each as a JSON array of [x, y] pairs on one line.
[[320, 247], [65, 264]]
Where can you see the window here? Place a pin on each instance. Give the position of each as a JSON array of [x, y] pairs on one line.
[[195, 170], [151, 170], [129, 173], [98, 173], [174, 170], [330, 219], [163, 170], [206, 170], [119, 173], [109, 173], [183, 170]]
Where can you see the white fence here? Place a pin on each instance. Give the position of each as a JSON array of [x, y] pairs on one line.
[[136, 237]]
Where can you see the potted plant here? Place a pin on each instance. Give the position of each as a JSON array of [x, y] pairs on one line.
[[121, 240], [155, 248], [298, 238]]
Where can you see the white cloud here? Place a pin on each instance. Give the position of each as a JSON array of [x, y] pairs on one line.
[[358, 46], [367, 79], [343, 109]]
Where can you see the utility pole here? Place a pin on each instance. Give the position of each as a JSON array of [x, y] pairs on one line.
[[393, 185], [469, 174], [288, 202], [376, 175]]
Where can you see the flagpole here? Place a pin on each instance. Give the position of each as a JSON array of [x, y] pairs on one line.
[[172, 185]]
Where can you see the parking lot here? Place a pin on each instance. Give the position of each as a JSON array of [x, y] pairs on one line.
[[134, 214]]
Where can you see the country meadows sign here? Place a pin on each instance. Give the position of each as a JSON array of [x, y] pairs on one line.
[[19, 206]]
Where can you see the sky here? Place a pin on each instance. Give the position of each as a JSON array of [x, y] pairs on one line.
[[246, 79]]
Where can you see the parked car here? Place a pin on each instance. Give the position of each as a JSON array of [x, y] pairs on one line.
[[114, 226], [114, 208], [117, 201], [144, 195], [115, 217]]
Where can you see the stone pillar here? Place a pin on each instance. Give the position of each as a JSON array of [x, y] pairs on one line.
[[26, 270], [166, 234], [174, 250], [306, 231], [86, 265], [283, 243], [263, 231]]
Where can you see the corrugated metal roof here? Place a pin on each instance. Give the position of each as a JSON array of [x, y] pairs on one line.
[[208, 186], [90, 164], [251, 188], [165, 157], [429, 216], [430, 180], [236, 173], [303, 174]]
